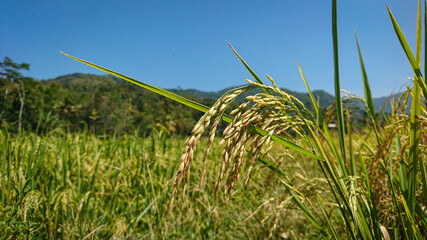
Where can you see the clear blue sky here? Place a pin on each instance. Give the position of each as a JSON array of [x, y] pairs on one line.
[[183, 43]]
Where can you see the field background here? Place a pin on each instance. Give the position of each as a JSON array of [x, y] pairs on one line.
[[75, 186]]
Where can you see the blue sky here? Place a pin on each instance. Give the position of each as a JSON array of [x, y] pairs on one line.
[[183, 43]]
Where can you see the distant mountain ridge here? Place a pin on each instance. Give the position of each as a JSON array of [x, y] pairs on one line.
[[325, 99]]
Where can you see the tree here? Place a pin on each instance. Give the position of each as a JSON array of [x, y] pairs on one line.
[[11, 77]]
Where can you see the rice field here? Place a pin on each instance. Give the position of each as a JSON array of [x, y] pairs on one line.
[[82, 186], [277, 171]]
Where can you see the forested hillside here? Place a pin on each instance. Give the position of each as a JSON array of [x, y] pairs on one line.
[[104, 104]]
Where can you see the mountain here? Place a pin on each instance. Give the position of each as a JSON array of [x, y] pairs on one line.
[[70, 80], [76, 80]]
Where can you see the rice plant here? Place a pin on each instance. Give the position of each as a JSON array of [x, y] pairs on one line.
[[376, 180], [80, 186]]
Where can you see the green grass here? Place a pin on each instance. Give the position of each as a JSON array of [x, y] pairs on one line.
[[75, 186]]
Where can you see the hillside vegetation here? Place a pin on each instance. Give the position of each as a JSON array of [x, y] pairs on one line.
[[107, 105]]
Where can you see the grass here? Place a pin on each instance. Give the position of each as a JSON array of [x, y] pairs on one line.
[[81, 186]]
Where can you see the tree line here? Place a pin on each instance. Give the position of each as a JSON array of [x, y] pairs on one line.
[[106, 104], [75, 102]]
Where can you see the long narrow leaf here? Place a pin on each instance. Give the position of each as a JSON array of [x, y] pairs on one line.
[[350, 146], [415, 127], [366, 87], [305, 210], [320, 200], [373, 208], [194, 105], [316, 106], [154, 89], [367, 91], [415, 113], [413, 226], [249, 69], [415, 67], [402, 168], [331, 143], [418, 46], [422, 165], [344, 208], [338, 100]]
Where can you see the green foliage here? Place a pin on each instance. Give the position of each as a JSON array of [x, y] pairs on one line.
[[357, 194], [77, 185], [70, 102], [79, 101], [108, 105]]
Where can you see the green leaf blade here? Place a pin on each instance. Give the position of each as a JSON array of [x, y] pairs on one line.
[[257, 79], [338, 100], [195, 105], [407, 49]]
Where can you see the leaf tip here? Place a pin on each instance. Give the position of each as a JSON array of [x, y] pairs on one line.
[[231, 47], [64, 53]]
